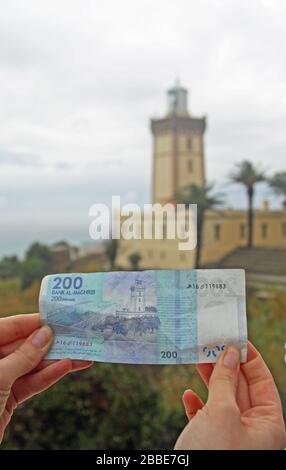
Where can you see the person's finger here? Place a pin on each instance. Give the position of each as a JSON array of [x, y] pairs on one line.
[[262, 388], [242, 394], [8, 348], [29, 385], [192, 403], [205, 372], [43, 364], [80, 365], [252, 352], [18, 326], [26, 357], [76, 364], [224, 379], [49, 374]]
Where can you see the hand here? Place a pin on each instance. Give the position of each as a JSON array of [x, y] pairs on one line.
[[23, 372], [243, 410]]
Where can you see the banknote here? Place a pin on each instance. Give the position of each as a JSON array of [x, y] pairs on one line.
[[146, 317]]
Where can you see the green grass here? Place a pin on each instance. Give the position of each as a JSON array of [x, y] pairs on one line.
[[13, 300]]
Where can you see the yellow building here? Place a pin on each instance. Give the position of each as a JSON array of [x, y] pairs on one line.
[[178, 160]]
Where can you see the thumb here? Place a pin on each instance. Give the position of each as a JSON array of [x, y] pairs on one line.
[[224, 379], [26, 357]]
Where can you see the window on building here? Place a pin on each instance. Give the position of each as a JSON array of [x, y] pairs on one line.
[[183, 257], [284, 230], [189, 143], [189, 166], [217, 232], [242, 231], [164, 231], [264, 230]]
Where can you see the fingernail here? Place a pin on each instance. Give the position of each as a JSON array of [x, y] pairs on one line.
[[231, 358], [42, 337]]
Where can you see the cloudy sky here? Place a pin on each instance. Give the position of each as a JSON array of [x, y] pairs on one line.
[[79, 81]]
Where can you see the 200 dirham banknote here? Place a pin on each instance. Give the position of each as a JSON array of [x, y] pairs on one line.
[[146, 317]]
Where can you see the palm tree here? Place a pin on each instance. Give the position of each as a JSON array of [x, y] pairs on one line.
[[278, 183], [111, 248], [134, 260], [193, 194], [248, 175]]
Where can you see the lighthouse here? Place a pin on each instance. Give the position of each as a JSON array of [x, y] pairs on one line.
[[137, 297], [178, 147]]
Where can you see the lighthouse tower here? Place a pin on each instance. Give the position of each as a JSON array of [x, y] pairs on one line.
[[178, 147], [137, 300]]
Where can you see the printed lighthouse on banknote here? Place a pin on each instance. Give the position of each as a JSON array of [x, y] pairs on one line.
[[146, 317]]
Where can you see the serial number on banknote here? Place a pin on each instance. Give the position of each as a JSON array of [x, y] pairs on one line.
[[207, 286]]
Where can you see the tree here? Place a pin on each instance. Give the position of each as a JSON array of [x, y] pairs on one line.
[[193, 194], [9, 267], [111, 248], [32, 269], [36, 265], [278, 184], [40, 251], [248, 175], [134, 260]]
